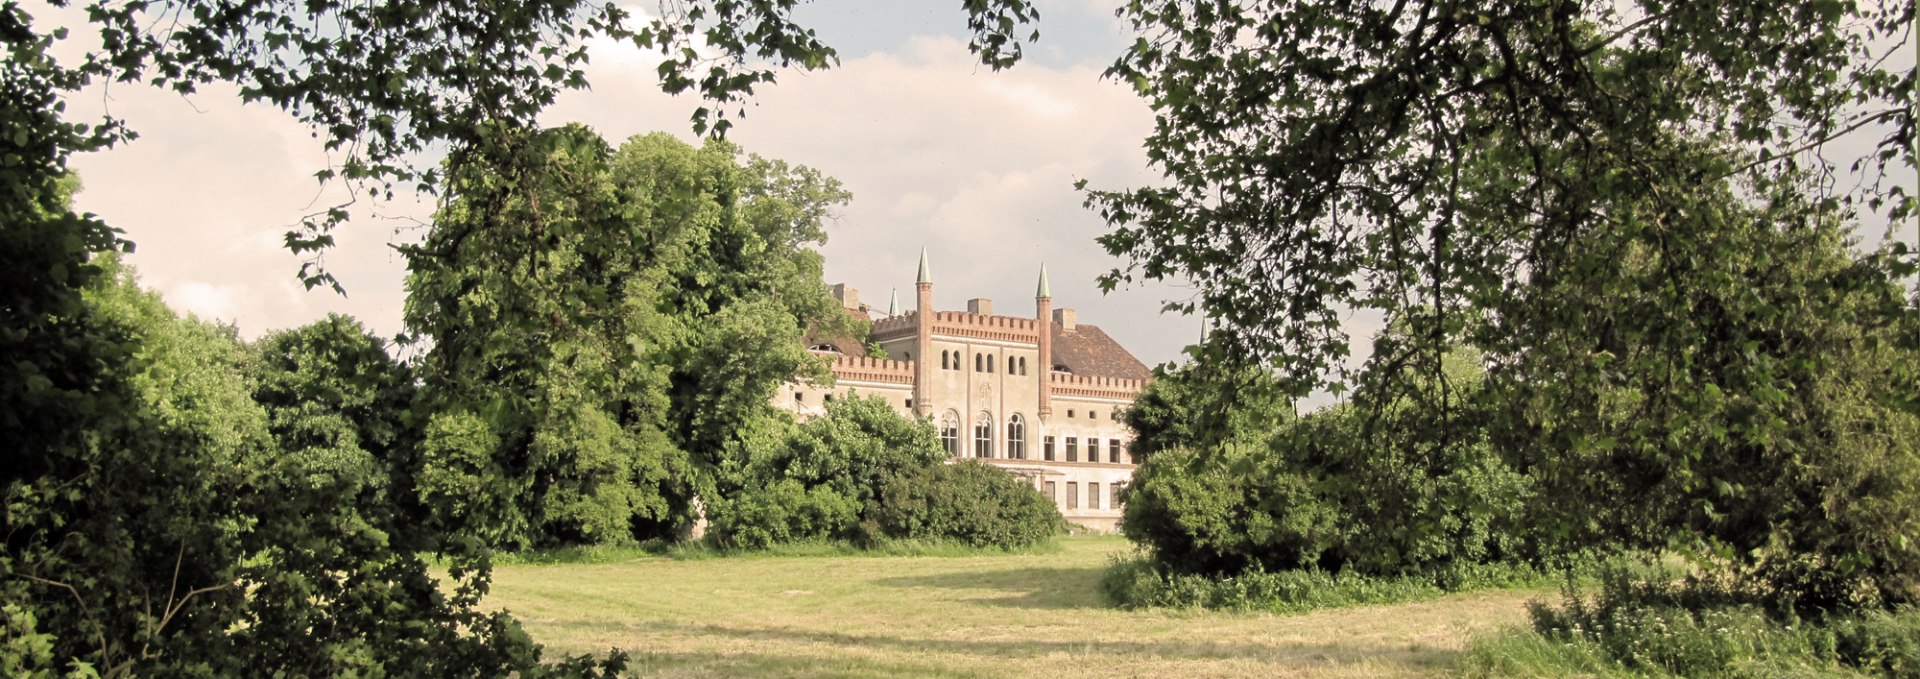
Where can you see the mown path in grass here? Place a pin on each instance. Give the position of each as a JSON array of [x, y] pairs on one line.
[[1022, 615]]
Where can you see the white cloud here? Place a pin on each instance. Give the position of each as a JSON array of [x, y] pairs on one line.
[[939, 152]]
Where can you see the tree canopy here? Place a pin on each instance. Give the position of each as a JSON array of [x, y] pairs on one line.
[[604, 325]]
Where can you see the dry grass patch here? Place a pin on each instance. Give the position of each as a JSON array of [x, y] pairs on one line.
[[1012, 615]]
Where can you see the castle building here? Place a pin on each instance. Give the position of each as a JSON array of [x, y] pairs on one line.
[[1038, 396]]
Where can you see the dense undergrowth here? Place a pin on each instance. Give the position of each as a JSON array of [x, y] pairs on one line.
[[1134, 583], [1635, 625], [694, 551]]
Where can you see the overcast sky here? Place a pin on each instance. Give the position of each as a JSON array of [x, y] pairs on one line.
[[975, 166]]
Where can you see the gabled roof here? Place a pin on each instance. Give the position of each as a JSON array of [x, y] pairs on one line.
[[1089, 351]]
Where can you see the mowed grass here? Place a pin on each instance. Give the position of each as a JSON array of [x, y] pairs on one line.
[[991, 615]]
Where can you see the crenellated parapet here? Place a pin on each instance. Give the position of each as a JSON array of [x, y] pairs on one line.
[[1068, 384], [868, 369], [961, 324]]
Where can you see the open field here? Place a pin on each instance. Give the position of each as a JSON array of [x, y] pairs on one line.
[[1022, 615]]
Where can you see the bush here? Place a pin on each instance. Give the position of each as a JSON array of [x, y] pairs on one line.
[[1400, 492], [1697, 627], [1136, 583], [863, 474], [817, 479], [967, 502]]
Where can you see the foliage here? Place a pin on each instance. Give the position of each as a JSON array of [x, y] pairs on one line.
[[1616, 204], [863, 473], [341, 411], [1205, 404], [249, 559], [1389, 491], [1772, 441], [1320, 157], [1690, 627], [597, 346], [1137, 583], [817, 479], [965, 501]]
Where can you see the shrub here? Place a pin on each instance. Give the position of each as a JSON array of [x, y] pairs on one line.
[[817, 479], [786, 511], [967, 502], [1136, 583], [1698, 627], [1401, 491]]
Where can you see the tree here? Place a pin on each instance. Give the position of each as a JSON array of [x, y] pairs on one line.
[[1203, 405], [179, 539], [341, 410], [1620, 206], [1316, 152], [604, 325]]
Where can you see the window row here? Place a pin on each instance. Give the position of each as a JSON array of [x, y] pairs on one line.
[[983, 440], [1116, 451], [982, 363], [1072, 500]]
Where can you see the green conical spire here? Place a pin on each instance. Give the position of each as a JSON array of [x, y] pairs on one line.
[[1045, 290], [926, 276], [893, 305]]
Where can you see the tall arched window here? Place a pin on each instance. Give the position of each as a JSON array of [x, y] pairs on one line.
[[943, 360], [989, 362], [950, 433], [983, 435], [1017, 437], [979, 363]]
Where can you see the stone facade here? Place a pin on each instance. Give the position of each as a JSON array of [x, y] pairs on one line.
[[1040, 397]]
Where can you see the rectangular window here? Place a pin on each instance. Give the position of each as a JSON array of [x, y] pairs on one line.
[[1053, 494], [1093, 496], [1048, 442], [1113, 496], [1113, 450], [1093, 449], [1073, 449], [1073, 495]]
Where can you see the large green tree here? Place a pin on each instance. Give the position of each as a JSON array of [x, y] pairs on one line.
[[178, 538], [603, 324], [1622, 205]]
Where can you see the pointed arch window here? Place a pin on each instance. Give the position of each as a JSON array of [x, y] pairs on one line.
[[983, 435], [1016, 437], [950, 433]]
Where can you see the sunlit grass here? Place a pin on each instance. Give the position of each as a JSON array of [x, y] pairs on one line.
[[965, 615]]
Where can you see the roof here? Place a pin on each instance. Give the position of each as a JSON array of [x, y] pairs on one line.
[[1086, 350], [1089, 351]]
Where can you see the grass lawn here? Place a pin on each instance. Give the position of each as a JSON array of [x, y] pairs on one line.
[[1025, 615]]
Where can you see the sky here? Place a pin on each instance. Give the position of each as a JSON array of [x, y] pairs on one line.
[[973, 165]]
